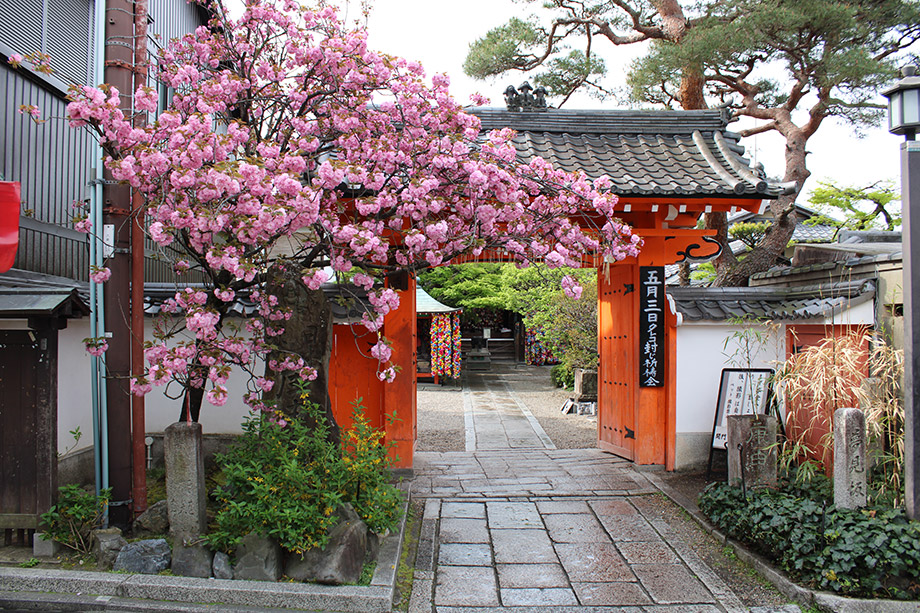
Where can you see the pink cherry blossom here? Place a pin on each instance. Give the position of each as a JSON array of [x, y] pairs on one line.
[[290, 144], [100, 274]]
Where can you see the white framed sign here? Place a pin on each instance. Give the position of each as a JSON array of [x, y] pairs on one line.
[[742, 391]]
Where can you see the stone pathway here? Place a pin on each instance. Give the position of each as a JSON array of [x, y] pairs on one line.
[[516, 523], [496, 419]]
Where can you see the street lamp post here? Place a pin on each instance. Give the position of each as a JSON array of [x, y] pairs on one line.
[[904, 119]]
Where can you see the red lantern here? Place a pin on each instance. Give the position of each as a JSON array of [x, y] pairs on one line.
[[9, 223]]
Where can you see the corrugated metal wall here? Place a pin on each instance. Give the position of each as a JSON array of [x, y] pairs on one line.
[[172, 18], [51, 160], [60, 28]]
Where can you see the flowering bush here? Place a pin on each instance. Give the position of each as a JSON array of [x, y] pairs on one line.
[[285, 480], [367, 475]]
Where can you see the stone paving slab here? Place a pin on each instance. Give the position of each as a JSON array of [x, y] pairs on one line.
[[532, 575], [513, 515], [611, 593], [586, 562], [538, 597], [466, 585], [465, 554], [571, 528], [672, 584], [462, 530]]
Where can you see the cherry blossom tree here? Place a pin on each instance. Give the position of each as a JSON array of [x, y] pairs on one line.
[[289, 145]]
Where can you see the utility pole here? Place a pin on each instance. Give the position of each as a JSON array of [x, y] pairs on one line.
[[116, 218]]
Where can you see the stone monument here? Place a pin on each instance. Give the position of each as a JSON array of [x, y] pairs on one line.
[[849, 458], [752, 452], [185, 485]]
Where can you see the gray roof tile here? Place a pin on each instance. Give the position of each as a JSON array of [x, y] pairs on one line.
[[643, 152], [769, 302]]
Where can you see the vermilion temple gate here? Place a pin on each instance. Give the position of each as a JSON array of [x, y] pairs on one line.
[[668, 168]]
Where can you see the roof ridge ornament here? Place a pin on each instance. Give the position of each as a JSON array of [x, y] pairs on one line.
[[521, 99]]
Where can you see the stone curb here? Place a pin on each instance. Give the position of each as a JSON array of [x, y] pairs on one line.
[[63, 590], [824, 601]]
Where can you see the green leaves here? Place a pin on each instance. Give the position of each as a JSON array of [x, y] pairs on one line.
[[507, 47], [875, 206], [867, 552], [77, 513], [287, 481]]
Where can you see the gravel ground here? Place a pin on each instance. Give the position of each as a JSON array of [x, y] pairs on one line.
[[440, 419], [440, 410]]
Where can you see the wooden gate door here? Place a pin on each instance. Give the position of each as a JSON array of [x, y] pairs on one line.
[[617, 372], [28, 426]]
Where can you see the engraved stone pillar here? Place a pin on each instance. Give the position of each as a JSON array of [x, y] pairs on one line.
[[756, 435], [185, 488], [849, 458]]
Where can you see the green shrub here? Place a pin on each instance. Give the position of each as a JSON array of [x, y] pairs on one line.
[[285, 480], [856, 552], [77, 513], [367, 475], [563, 376]]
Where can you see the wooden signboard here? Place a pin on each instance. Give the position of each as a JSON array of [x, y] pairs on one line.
[[651, 326], [742, 391]]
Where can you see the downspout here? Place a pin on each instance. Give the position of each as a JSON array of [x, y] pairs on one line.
[[96, 294], [138, 423]]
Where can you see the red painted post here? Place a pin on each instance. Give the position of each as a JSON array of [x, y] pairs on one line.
[[399, 397]]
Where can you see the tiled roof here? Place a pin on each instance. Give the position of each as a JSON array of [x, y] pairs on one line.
[[805, 233], [776, 303], [19, 302], [645, 153], [425, 303]]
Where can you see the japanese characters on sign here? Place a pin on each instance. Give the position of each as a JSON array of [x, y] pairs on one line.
[[651, 326], [741, 392]]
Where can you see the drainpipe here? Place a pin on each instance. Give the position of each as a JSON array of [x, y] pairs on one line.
[[96, 295], [138, 429]]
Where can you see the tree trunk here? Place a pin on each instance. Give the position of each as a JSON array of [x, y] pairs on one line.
[[683, 274], [308, 333], [771, 248], [691, 94]]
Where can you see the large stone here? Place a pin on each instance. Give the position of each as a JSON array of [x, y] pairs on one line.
[[341, 561], [849, 458], [752, 453], [44, 548], [185, 488], [154, 520], [585, 385], [107, 544], [343, 558], [147, 557], [192, 560], [257, 558], [221, 567]]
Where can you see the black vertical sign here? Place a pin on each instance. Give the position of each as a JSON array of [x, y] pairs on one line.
[[651, 326]]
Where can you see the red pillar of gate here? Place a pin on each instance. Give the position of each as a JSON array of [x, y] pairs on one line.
[[399, 400]]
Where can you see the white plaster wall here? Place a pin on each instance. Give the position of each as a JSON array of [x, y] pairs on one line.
[[75, 394], [701, 356], [75, 399]]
